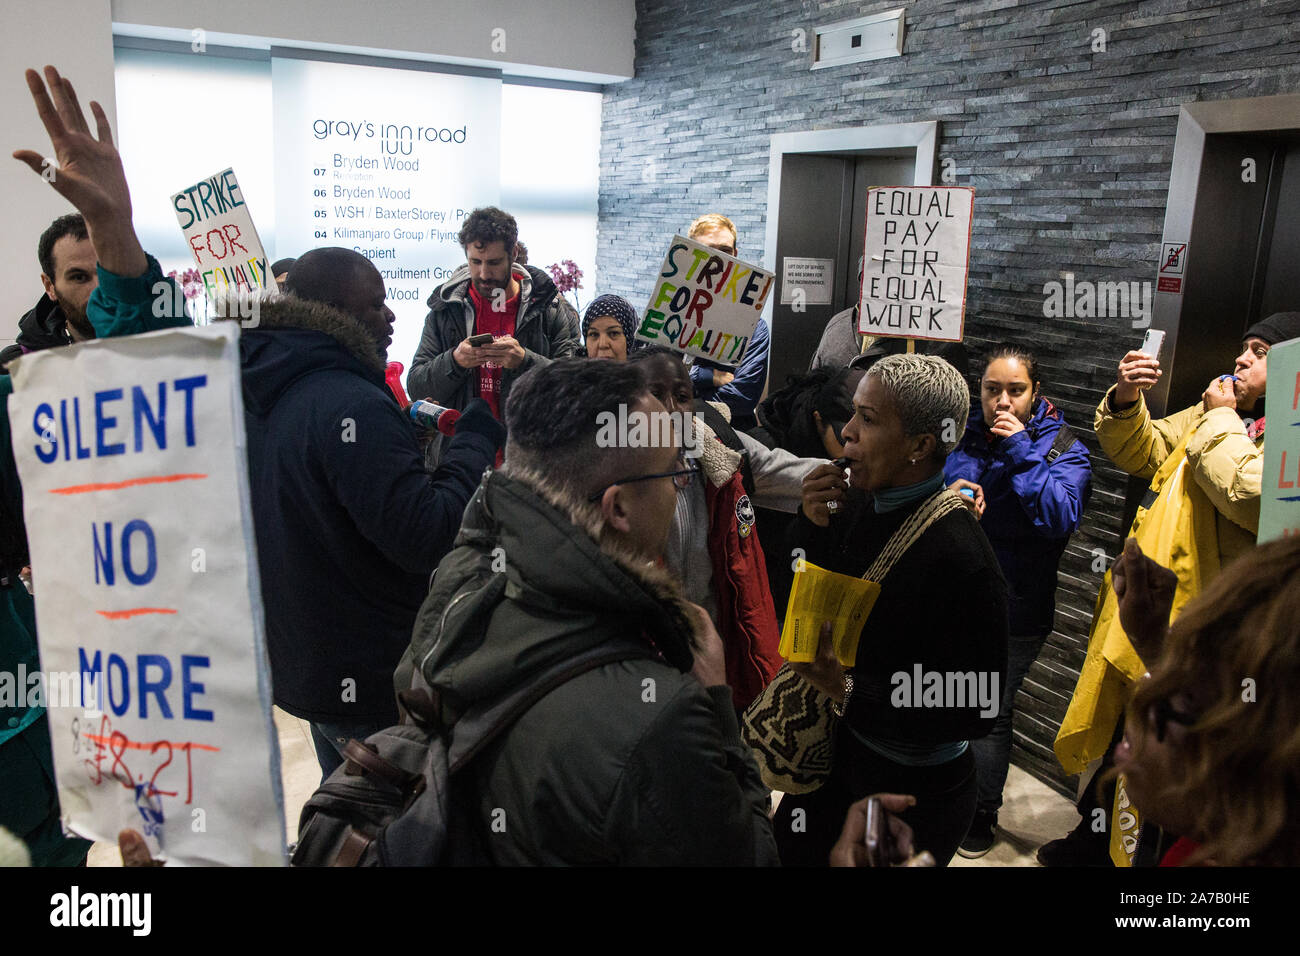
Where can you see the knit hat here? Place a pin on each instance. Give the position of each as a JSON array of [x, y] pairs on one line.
[[1278, 327], [616, 307]]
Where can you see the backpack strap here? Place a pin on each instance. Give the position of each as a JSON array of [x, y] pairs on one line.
[[1065, 440]]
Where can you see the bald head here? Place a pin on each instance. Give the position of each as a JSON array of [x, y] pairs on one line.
[[349, 282]]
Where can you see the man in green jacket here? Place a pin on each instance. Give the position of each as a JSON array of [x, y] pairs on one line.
[[637, 762], [89, 175]]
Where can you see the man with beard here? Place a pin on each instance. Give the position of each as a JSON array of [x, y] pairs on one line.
[[68, 272], [531, 324]]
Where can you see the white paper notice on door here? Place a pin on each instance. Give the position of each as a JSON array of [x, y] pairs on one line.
[[806, 281]]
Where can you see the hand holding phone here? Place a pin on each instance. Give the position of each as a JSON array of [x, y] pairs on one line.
[[467, 354], [1152, 342]]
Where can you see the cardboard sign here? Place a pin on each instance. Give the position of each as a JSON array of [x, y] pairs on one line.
[[135, 492], [705, 303], [219, 231], [1279, 503], [807, 281], [917, 260]]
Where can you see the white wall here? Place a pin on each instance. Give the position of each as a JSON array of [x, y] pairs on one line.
[[589, 40], [75, 36], [557, 38]]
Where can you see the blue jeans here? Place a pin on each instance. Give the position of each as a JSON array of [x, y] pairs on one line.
[[993, 753], [330, 739]]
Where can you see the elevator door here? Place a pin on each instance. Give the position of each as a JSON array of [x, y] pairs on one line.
[[822, 216], [1241, 263]]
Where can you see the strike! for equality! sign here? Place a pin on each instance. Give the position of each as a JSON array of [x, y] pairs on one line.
[[219, 231], [132, 457], [705, 303], [917, 256]]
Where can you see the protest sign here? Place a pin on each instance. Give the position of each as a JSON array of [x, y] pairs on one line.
[[818, 596], [917, 259], [705, 303], [131, 453], [1279, 504], [219, 231]]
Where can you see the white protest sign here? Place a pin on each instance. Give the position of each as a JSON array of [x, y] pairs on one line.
[[219, 231], [807, 281], [131, 453], [917, 259], [705, 303], [1279, 505]]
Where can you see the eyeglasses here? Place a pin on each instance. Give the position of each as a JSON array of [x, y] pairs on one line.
[[681, 478]]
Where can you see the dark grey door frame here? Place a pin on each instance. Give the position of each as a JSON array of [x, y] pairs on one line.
[[1195, 122]]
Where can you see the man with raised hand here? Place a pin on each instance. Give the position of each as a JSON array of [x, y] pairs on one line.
[[88, 173], [1200, 512]]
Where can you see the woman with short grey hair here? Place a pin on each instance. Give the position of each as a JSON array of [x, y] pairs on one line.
[[931, 659]]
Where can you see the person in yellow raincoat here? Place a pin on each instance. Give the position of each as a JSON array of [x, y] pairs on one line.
[[1201, 510]]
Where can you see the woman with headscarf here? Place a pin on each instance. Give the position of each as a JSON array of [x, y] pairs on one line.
[[609, 327]]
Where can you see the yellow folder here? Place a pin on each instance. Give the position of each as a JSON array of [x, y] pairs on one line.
[[818, 596]]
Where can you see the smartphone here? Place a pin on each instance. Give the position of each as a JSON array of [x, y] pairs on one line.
[[1152, 343], [880, 848], [476, 340]]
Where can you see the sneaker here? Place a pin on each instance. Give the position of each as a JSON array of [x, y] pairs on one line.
[[979, 838], [1075, 851]]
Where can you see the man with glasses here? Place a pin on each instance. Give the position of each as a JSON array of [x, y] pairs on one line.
[[637, 760]]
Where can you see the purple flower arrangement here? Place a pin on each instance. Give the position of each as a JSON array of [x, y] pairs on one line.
[[568, 278]]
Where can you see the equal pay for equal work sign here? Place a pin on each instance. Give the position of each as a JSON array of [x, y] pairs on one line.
[[917, 254], [135, 491]]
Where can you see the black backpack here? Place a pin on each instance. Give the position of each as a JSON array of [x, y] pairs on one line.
[[397, 799]]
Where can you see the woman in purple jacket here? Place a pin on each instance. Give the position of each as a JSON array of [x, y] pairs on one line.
[[1028, 479]]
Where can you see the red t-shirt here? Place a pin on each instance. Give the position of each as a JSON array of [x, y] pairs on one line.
[[499, 324]]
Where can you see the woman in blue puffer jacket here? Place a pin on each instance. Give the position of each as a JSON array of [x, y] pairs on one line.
[[1028, 479]]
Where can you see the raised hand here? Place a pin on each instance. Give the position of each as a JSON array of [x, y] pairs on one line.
[[1145, 591], [88, 173]]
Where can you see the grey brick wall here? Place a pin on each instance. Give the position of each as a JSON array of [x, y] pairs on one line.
[[1068, 150]]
